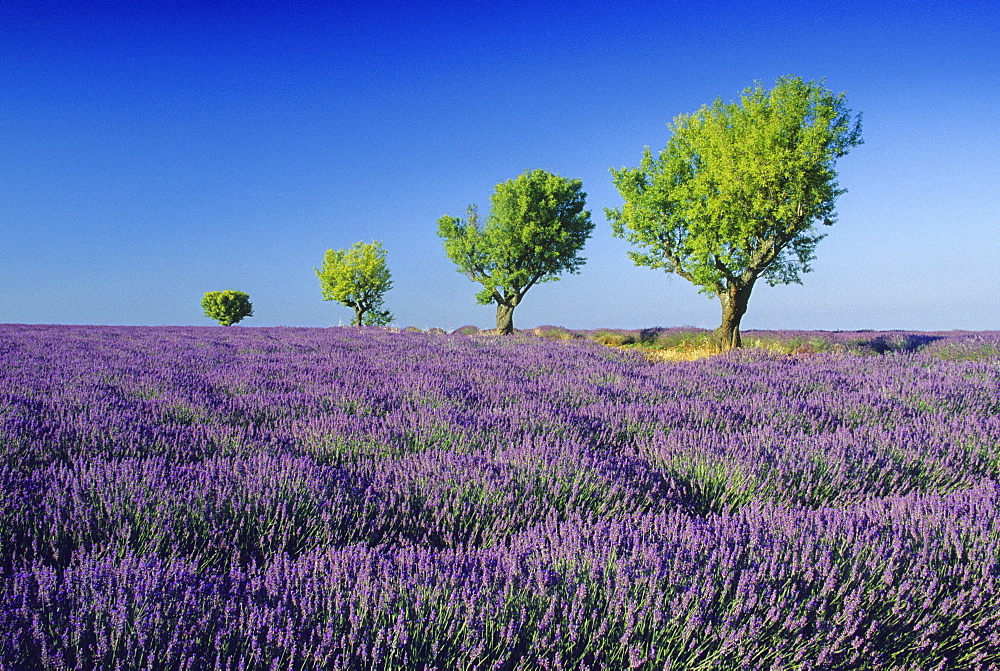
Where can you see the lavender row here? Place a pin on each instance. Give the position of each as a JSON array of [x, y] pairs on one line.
[[906, 583], [246, 509]]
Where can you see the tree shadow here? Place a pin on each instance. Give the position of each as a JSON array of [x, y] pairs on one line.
[[898, 342]]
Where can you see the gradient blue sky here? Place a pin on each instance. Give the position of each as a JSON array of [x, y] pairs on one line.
[[150, 152]]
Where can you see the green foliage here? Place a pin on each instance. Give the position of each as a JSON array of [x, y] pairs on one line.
[[739, 186], [612, 338], [227, 307], [735, 194], [555, 333], [376, 318], [534, 232], [357, 278], [704, 486], [693, 339], [969, 351]]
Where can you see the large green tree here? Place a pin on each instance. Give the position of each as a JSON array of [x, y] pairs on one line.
[[357, 278], [534, 232], [735, 195]]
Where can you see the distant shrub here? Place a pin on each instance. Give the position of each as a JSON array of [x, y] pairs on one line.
[[553, 333], [227, 307], [437, 331], [798, 346], [976, 348], [675, 338], [611, 338], [412, 329], [467, 330], [608, 338]]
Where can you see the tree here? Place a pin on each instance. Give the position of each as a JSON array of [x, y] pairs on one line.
[[357, 278], [735, 194], [535, 230], [227, 307]]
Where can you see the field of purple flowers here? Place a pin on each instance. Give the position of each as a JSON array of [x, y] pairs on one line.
[[285, 498]]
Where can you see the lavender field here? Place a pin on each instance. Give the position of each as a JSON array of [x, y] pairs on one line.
[[355, 498]]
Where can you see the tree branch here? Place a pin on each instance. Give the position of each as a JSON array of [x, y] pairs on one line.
[[722, 268], [531, 283], [477, 273]]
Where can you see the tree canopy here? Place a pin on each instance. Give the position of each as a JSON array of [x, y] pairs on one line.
[[535, 230], [357, 278], [227, 307], [736, 193]]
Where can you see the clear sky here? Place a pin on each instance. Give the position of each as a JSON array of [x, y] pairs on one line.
[[153, 151]]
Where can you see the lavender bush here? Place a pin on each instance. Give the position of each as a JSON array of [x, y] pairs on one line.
[[281, 498]]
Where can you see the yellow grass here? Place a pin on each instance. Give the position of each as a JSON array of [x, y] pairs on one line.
[[690, 353], [702, 350]]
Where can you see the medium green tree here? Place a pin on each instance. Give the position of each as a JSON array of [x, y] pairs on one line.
[[735, 195], [227, 307], [534, 232], [357, 278]]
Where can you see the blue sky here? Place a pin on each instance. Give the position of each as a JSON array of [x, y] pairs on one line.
[[150, 152]]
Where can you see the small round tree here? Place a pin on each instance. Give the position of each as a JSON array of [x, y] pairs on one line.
[[227, 307]]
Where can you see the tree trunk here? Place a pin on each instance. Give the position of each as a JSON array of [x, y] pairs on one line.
[[505, 318], [358, 316], [734, 304]]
